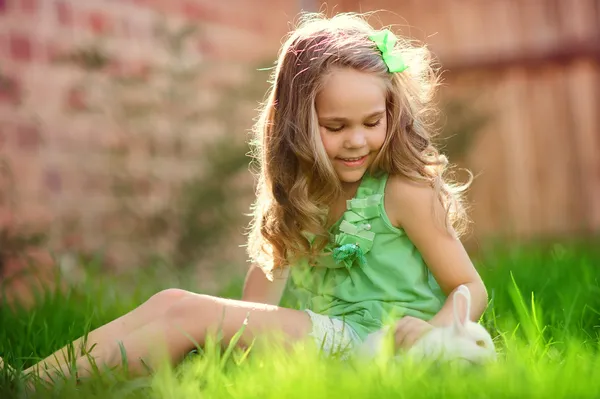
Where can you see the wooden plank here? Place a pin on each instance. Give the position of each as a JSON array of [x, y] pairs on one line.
[[583, 92], [560, 55], [512, 122], [561, 159], [579, 19], [487, 196]]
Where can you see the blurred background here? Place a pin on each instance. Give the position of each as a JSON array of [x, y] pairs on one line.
[[124, 124]]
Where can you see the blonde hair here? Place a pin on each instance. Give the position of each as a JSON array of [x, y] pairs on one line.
[[296, 181]]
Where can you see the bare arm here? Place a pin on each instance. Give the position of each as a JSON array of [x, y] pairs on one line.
[[444, 254], [257, 288]]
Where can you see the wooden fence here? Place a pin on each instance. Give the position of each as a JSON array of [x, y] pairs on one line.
[[533, 68]]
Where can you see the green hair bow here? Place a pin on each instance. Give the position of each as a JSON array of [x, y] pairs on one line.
[[385, 41]]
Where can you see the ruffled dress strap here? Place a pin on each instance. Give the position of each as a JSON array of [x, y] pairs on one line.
[[354, 238]]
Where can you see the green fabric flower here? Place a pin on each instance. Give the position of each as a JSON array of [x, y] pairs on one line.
[[348, 253]]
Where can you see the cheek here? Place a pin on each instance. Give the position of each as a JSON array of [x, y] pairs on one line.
[[378, 136], [329, 143]]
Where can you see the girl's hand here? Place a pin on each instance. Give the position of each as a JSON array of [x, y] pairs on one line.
[[409, 330]]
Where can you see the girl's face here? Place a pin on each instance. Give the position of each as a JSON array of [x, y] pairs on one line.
[[351, 109]]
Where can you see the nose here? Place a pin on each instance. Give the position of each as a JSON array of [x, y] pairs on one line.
[[356, 138]]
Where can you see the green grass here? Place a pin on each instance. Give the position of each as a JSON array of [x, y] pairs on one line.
[[544, 315]]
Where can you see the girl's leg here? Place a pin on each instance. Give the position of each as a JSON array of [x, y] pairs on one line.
[[116, 329], [190, 320]]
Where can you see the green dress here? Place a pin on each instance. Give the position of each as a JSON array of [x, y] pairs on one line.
[[393, 280]]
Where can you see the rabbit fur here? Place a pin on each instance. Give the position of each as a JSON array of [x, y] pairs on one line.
[[463, 340]]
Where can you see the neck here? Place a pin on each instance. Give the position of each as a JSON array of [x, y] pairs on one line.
[[349, 189]]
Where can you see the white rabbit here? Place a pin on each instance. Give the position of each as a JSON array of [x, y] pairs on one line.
[[464, 340]]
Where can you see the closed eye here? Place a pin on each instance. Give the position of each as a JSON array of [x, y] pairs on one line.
[[340, 128], [375, 124], [334, 129]]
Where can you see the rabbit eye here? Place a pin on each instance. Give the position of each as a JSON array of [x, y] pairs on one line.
[[480, 343]]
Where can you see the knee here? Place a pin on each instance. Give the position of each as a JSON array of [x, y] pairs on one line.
[[169, 297], [196, 307]]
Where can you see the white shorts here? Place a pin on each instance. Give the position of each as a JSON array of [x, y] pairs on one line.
[[333, 336]]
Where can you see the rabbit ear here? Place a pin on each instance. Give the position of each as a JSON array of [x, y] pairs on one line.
[[462, 307]]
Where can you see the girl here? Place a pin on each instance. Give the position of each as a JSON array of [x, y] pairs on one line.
[[351, 203]]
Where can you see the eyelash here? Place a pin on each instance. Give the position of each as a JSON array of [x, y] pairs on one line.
[[369, 125]]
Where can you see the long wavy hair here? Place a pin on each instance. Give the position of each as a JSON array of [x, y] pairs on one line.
[[296, 181]]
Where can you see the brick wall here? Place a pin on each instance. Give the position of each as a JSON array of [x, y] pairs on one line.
[[62, 104]]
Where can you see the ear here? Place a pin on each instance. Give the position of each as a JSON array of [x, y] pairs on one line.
[[462, 307]]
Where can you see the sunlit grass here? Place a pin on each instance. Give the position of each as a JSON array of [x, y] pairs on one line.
[[543, 315]]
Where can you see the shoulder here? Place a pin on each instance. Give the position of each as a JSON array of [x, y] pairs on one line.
[[407, 200]]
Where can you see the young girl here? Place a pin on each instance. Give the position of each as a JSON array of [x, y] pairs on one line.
[[351, 203]]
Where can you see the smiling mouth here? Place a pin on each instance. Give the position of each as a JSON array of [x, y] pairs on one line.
[[353, 162], [352, 159]]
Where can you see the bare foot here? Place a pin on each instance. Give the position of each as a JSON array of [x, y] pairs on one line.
[[3, 365], [28, 382]]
